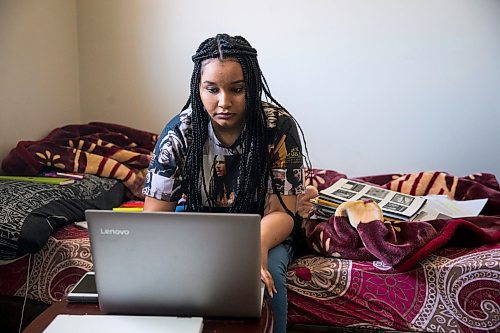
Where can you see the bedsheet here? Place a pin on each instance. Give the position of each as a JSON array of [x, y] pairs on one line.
[[102, 149], [52, 271], [452, 290]]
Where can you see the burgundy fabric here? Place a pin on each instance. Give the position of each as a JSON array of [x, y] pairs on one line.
[[438, 276], [452, 290], [474, 186], [54, 270], [404, 244], [103, 149]]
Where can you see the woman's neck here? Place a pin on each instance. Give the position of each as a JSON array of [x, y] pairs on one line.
[[226, 136]]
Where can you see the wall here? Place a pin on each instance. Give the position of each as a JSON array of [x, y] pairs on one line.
[[39, 87], [378, 86]]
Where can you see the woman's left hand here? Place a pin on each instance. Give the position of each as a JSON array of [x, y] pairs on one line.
[[304, 204]]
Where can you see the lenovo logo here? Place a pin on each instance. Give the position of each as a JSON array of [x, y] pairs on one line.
[[117, 232]]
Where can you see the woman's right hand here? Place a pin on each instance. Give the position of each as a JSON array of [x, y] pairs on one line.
[[266, 276]]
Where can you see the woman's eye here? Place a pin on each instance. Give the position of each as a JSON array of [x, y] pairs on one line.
[[238, 90], [212, 90]]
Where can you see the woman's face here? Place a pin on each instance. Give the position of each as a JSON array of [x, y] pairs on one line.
[[222, 91]]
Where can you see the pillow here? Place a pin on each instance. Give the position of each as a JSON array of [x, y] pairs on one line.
[[30, 212]]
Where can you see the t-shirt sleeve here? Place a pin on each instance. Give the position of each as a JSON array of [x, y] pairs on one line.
[[163, 178], [287, 163]]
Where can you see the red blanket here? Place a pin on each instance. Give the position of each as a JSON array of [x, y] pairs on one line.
[[103, 149], [403, 244]]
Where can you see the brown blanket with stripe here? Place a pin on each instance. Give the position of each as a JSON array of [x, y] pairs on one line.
[[403, 244], [103, 149]]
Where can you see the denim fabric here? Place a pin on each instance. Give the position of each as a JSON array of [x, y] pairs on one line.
[[278, 259]]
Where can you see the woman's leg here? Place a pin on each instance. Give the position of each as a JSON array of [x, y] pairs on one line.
[[277, 263]]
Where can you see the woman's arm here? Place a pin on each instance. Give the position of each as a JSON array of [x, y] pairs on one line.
[[151, 204], [276, 226]]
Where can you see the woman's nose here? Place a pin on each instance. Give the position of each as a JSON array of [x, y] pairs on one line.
[[224, 100]]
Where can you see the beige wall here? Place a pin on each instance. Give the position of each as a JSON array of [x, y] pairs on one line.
[[129, 67], [39, 87], [378, 86]]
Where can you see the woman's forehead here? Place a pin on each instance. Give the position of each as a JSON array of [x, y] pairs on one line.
[[206, 62]]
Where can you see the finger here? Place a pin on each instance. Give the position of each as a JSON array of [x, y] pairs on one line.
[[304, 210], [304, 205], [268, 281], [311, 192], [269, 285]]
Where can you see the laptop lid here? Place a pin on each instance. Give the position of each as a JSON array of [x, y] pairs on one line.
[[177, 264]]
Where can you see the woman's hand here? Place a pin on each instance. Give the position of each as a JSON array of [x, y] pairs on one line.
[[304, 204], [266, 277], [275, 227]]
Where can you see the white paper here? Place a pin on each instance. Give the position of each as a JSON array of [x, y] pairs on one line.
[[124, 324], [82, 224], [440, 206]]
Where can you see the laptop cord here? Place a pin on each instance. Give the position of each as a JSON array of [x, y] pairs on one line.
[[25, 293]]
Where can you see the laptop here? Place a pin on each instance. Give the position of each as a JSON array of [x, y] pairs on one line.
[[64, 323], [176, 264]]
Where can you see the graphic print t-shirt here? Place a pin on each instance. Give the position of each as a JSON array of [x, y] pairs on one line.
[[221, 164]]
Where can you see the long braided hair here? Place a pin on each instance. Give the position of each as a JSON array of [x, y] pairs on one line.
[[255, 169]]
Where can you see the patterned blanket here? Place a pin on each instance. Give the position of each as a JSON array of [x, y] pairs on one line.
[[103, 149], [403, 244]]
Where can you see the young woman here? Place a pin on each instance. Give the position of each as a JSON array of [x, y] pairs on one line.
[[225, 116]]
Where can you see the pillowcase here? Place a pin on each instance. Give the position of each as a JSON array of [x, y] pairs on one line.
[[30, 212]]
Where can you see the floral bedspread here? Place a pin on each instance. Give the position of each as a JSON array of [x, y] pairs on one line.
[[385, 275], [452, 290], [102, 149], [52, 271]]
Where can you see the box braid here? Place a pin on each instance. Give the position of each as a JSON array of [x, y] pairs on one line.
[[255, 168]]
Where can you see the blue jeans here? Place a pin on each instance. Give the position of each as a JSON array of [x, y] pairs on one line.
[[278, 259]]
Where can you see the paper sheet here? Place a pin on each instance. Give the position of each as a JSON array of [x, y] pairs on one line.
[[440, 206]]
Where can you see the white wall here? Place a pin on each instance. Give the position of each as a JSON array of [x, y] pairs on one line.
[[38, 69], [378, 86]]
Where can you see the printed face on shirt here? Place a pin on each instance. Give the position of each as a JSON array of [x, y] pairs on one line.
[[220, 165], [222, 91]]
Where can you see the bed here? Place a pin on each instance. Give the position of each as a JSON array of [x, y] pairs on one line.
[[37, 229], [42, 252], [434, 276], [448, 281]]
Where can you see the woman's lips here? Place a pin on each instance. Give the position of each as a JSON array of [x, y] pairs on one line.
[[225, 116]]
